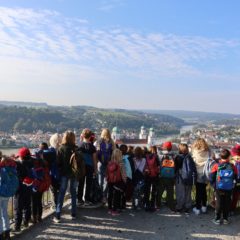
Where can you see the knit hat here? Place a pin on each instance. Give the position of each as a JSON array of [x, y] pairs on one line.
[[167, 146], [235, 151], [23, 152]]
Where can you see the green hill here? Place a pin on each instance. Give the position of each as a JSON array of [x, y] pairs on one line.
[[50, 118]]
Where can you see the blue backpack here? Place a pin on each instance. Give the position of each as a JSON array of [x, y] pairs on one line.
[[50, 156], [225, 177], [9, 182], [105, 152], [189, 171]]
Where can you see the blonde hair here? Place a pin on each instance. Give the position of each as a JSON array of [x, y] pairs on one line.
[[200, 144], [55, 140], [106, 135], [69, 138], [116, 155]]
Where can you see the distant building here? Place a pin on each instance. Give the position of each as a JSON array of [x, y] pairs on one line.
[[143, 133], [144, 139], [116, 136]]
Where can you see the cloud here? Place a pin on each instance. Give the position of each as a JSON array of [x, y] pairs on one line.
[[46, 46], [107, 5]]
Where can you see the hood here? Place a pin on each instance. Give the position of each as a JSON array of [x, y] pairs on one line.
[[200, 156]]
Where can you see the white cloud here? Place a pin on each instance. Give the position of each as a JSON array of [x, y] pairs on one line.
[[48, 36], [107, 5]]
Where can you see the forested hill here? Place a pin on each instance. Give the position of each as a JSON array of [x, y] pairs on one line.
[[30, 119]]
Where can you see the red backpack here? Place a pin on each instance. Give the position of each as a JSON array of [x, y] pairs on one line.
[[152, 167], [113, 172]]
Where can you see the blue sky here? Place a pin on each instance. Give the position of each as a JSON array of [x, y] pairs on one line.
[[135, 54]]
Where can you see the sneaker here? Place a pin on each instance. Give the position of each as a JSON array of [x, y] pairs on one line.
[[73, 217], [196, 211], [56, 219], [204, 209], [16, 229], [115, 213], [216, 221], [80, 203], [88, 204], [25, 224], [225, 221]]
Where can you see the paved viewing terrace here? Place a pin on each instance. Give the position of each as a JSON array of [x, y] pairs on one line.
[[131, 225]]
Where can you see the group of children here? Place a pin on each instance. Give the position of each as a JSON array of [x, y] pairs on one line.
[[122, 174], [142, 177]]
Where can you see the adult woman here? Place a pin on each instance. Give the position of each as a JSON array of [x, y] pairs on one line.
[[105, 148], [200, 154], [67, 148]]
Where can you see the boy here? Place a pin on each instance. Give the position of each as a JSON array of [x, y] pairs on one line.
[[222, 178], [22, 198]]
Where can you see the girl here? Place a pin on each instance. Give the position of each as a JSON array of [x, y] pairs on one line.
[[116, 178], [200, 154], [138, 178]]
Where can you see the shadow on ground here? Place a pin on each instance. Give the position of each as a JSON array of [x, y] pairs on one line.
[[98, 224]]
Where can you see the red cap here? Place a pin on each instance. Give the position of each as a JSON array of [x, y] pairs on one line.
[[235, 151], [23, 152], [167, 146]]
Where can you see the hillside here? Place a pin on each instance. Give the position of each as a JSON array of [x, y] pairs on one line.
[[195, 116], [50, 118]]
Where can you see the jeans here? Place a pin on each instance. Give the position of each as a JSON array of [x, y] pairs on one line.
[[4, 219], [62, 191], [102, 180]]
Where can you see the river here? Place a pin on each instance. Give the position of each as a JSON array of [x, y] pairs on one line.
[[183, 129]]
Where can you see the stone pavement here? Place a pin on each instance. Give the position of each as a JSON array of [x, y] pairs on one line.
[[131, 225]]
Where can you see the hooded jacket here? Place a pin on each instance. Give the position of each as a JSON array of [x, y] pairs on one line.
[[200, 157]]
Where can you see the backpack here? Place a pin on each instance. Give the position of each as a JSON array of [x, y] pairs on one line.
[[77, 164], [42, 179], [152, 167], [113, 172], [225, 177], [9, 181], [50, 156], [105, 153], [167, 169], [188, 171], [207, 168]]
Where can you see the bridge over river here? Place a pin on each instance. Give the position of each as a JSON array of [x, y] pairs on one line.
[[131, 225]]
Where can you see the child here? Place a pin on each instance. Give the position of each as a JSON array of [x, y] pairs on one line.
[[222, 178], [138, 178], [116, 178], [128, 193], [8, 187], [186, 174], [22, 198], [235, 152], [41, 184], [151, 175], [167, 176]]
